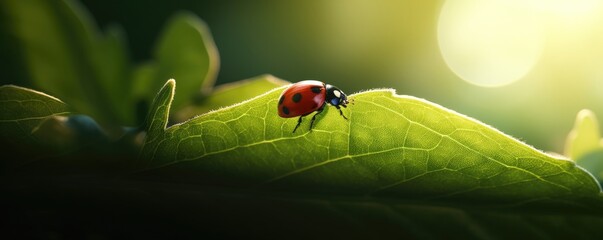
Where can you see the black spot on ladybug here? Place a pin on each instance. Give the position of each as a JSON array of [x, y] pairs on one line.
[[316, 90], [280, 101], [285, 110], [296, 97]]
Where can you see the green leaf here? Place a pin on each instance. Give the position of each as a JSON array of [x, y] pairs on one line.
[[185, 52], [55, 43], [585, 137], [23, 110], [392, 146], [229, 94], [113, 64], [156, 121], [35, 126], [584, 144], [30, 120], [66, 56]]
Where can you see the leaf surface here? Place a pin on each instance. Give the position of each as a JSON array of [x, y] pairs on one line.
[[392, 146]]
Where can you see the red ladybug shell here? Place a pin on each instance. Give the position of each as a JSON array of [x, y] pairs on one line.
[[302, 98]]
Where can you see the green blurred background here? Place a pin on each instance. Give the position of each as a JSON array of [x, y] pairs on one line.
[[524, 67]]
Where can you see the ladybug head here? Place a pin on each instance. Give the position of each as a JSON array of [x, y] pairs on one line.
[[335, 96]]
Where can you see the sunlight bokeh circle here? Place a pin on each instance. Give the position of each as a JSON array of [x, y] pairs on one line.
[[489, 43]]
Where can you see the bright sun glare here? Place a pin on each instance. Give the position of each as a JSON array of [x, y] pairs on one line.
[[494, 43]]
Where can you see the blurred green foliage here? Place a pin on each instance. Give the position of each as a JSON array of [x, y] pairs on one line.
[[585, 145], [60, 50]]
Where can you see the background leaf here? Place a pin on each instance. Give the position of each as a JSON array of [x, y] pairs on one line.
[[23, 110], [64, 54], [585, 137], [393, 146], [114, 71], [185, 51], [584, 144], [42, 137], [31, 124]]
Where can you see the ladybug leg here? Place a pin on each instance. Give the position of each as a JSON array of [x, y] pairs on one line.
[[318, 111], [341, 112], [298, 123]]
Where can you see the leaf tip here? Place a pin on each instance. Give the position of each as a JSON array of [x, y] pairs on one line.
[[157, 117], [171, 83], [170, 88]]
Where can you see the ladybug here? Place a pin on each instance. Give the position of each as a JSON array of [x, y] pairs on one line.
[[305, 97]]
